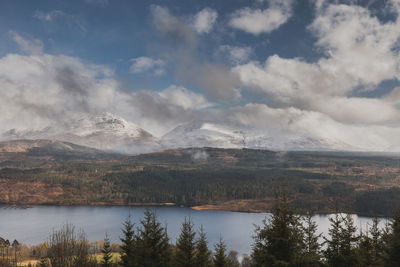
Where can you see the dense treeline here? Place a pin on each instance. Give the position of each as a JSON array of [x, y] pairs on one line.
[[285, 239], [366, 185]]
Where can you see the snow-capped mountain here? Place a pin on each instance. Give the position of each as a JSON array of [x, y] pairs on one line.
[[109, 132], [201, 134], [105, 131]]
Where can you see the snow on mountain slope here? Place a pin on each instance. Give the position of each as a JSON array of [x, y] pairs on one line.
[[112, 133], [104, 131], [200, 134]]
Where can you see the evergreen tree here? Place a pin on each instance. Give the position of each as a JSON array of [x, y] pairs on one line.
[[185, 246], [394, 241], [280, 241], [203, 254], [220, 259], [349, 241], [153, 247], [311, 251], [106, 250], [370, 249], [342, 247], [332, 251], [128, 245]]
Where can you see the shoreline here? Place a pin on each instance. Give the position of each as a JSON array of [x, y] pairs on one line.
[[205, 207]]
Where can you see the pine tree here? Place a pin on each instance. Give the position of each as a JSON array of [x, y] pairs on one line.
[[377, 243], [394, 241], [203, 254], [185, 246], [311, 252], [106, 250], [332, 251], [153, 247], [349, 241], [128, 245], [370, 248], [280, 241], [341, 249], [220, 259]]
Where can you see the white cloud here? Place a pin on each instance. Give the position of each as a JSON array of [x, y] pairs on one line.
[[45, 90], [257, 21], [236, 54], [164, 110], [318, 99], [293, 124], [361, 51], [32, 46], [205, 20], [181, 96], [144, 64], [42, 90]]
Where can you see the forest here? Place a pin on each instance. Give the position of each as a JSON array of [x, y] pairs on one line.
[[284, 239], [204, 178]]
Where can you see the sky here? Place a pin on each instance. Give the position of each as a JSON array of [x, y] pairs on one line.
[[327, 70]]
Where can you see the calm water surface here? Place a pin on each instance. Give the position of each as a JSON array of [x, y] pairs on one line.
[[33, 225]]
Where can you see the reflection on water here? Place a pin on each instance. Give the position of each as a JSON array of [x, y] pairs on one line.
[[33, 225]]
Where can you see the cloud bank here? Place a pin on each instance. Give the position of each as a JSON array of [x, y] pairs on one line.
[[272, 98]]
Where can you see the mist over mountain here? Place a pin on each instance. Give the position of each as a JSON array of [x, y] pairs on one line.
[[104, 131], [109, 132]]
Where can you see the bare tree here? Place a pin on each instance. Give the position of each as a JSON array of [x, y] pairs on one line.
[[68, 249]]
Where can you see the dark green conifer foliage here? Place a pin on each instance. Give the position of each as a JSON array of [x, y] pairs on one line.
[[153, 247], [312, 249], [203, 254], [341, 250], [377, 256], [394, 241], [280, 241], [371, 246], [128, 247], [106, 251], [332, 251], [349, 242], [185, 246], [220, 259]]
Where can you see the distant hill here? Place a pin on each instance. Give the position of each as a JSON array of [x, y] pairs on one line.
[[52, 148], [62, 173]]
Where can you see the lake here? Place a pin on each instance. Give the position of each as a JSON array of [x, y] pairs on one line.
[[33, 225]]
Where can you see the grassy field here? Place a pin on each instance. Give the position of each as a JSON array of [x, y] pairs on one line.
[[115, 258]]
